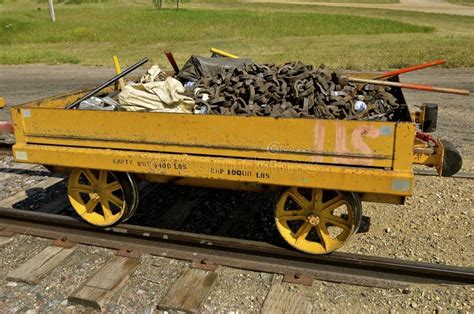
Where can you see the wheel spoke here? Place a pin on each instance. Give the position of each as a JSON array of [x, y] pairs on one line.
[[302, 201], [114, 200], [107, 212], [89, 176], [112, 187], [291, 217], [328, 209], [91, 204], [317, 200], [102, 177], [302, 232], [81, 188], [338, 222], [333, 201], [324, 236]]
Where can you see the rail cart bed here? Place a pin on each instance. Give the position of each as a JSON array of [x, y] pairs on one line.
[[321, 170]]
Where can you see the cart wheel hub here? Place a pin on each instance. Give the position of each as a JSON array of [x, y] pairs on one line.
[[94, 196], [313, 220]]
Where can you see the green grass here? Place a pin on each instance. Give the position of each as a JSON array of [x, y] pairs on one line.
[[143, 26], [340, 37], [462, 2], [85, 33]]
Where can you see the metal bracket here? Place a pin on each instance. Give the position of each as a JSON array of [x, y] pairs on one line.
[[298, 279], [129, 253], [63, 242], [204, 265]]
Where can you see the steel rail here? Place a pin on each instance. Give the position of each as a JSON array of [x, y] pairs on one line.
[[337, 267]]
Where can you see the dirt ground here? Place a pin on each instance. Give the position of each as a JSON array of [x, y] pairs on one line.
[[434, 226]]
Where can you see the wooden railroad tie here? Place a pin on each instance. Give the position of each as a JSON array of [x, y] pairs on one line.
[[34, 269], [189, 292], [280, 299], [99, 289]]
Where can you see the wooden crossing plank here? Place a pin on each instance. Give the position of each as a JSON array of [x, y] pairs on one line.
[[281, 300], [40, 265], [23, 195], [189, 292], [101, 287]]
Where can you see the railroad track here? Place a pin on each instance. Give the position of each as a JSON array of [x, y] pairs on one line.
[[207, 252]]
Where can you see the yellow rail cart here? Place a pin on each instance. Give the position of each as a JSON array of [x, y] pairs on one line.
[[321, 170]]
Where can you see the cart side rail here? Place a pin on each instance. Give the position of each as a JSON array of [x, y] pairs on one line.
[[243, 171]]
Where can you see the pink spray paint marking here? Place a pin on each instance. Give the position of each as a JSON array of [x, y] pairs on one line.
[[357, 142]]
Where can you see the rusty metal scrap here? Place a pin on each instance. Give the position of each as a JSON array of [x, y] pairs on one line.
[[292, 90]]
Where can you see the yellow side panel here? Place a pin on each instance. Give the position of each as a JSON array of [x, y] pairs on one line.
[[230, 169], [323, 141]]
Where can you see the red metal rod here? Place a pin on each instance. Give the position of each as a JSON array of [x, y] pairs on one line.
[[410, 69], [412, 86], [172, 61]]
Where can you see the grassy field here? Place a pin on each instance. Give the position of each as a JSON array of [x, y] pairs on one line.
[[340, 37]]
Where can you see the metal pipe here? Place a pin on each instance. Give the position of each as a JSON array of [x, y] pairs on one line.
[[223, 53], [172, 61], [410, 69], [412, 86], [109, 82]]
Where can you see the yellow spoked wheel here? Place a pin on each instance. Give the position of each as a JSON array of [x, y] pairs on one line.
[[102, 197], [317, 221]]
